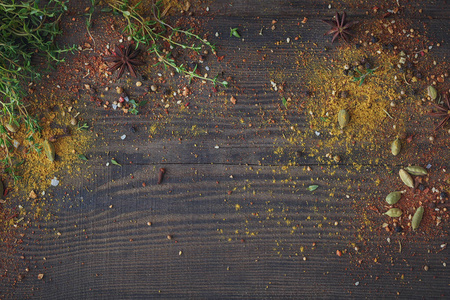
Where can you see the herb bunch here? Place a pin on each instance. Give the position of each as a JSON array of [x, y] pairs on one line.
[[154, 31], [362, 76], [28, 28]]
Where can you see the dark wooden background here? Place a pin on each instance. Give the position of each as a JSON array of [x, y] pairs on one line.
[[106, 250]]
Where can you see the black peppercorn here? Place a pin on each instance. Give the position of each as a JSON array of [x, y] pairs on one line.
[[398, 228]]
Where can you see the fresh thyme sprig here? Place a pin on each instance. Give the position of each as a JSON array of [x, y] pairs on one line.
[[27, 29], [363, 76], [151, 32], [89, 14]]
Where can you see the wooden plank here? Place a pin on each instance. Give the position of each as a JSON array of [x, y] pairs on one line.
[[241, 220]]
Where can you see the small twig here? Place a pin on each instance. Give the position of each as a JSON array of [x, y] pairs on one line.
[[387, 113], [404, 77]]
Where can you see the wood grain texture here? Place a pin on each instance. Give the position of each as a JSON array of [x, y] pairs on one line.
[[241, 220]]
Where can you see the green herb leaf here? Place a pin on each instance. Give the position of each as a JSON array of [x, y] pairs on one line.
[[284, 101], [83, 126], [234, 32], [312, 187], [114, 162], [82, 156], [133, 111], [142, 103]]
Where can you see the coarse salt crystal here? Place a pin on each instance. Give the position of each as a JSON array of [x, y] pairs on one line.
[[54, 182]]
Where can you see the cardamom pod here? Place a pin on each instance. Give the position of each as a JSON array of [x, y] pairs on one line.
[[417, 218], [396, 146], [416, 170], [11, 127], [393, 197], [394, 213], [49, 150], [406, 178], [432, 92], [343, 118]]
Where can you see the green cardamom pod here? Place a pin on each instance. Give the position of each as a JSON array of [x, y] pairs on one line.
[[394, 213], [11, 127], [416, 170], [393, 197], [432, 92], [343, 118], [406, 178], [417, 218], [49, 150], [396, 146]]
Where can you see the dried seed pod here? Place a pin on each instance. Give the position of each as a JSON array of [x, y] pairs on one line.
[[417, 218], [49, 150], [394, 212], [12, 127], [406, 178], [396, 146], [393, 197], [416, 170], [432, 92], [161, 173], [343, 118]]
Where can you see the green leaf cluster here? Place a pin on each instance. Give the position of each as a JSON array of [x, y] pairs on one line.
[[154, 31], [28, 28], [363, 76]]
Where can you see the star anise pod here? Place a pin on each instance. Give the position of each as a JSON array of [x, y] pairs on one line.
[[124, 59], [442, 111], [340, 27]]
